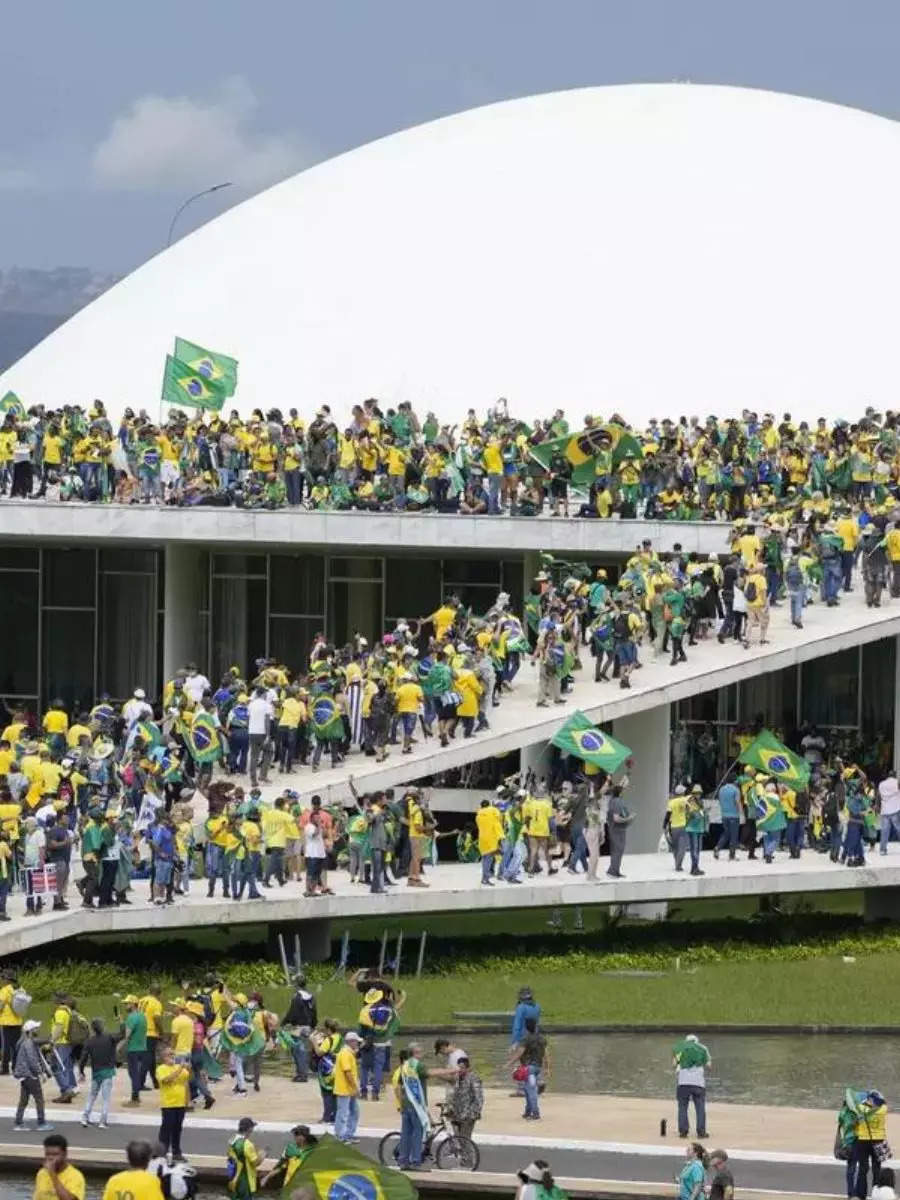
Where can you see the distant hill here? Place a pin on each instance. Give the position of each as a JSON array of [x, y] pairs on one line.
[[34, 302]]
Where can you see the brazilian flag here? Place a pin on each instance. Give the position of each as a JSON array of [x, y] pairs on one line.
[[581, 449], [840, 477], [622, 443], [150, 732], [215, 368], [203, 739], [12, 404], [767, 754], [581, 738], [333, 1171], [183, 385], [326, 717]]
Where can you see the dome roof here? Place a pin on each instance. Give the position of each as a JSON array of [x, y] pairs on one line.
[[651, 249]]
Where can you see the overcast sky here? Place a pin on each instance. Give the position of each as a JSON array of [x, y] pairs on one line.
[[114, 110]]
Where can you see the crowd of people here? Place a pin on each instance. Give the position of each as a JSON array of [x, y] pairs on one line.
[[389, 458]]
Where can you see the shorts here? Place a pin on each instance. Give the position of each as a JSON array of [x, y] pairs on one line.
[[409, 723], [626, 653]]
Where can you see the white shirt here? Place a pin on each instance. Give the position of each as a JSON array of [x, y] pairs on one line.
[[889, 792], [195, 686], [453, 1058], [739, 601], [314, 842], [259, 710], [135, 710]]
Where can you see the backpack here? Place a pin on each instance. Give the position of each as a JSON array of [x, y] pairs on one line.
[[750, 592], [79, 1029], [19, 1002], [620, 626]]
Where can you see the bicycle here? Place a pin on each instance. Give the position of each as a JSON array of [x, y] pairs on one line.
[[453, 1153]]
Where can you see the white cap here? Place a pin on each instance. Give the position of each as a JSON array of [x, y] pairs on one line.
[[139, 694], [31, 1026], [352, 1036], [679, 791]]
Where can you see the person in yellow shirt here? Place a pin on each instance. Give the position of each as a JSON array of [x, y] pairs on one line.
[[346, 465], [50, 773], [469, 687], [414, 819], [490, 835], [442, 618], [293, 714], [892, 547], [250, 835], [536, 814], [277, 827], [749, 546], [346, 1088], [757, 604], [57, 1179], [173, 1080], [151, 1006], [847, 529], [244, 1160], [492, 458], [7, 757], [137, 1182], [15, 729], [182, 1032], [75, 733], [409, 696], [10, 1021]]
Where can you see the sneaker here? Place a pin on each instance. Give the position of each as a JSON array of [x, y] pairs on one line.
[[42, 1128], [103, 1125], [19, 1129], [85, 1123]]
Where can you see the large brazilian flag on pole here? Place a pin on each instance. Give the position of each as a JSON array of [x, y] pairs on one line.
[[183, 385], [767, 754], [333, 1171], [212, 366], [584, 740]]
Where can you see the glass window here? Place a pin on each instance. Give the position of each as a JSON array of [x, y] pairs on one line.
[[290, 639], [19, 622], [355, 568], [19, 558], [413, 586], [772, 698], [879, 664], [354, 608], [238, 624], [831, 689], [514, 583], [718, 706], [127, 618], [127, 560], [239, 564], [297, 583], [69, 578], [458, 571], [68, 652]]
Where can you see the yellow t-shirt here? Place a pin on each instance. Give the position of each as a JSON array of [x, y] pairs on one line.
[[749, 546], [7, 1015], [61, 1019], [217, 830], [52, 450], [848, 530], [278, 826], [677, 808], [182, 1033], [152, 1010], [12, 732], [346, 1073], [75, 734], [252, 835], [51, 774], [10, 815], [7, 758], [70, 1177], [132, 1185], [292, 712], [443, 619], [493, 459], [172, 1079], [55, 721], [537, 813], [409, 697]]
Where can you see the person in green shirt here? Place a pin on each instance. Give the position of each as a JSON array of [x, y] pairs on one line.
[[91, 853], [135, 1038], [675, 630], [673, 606], [293, 1156], [695, 826]]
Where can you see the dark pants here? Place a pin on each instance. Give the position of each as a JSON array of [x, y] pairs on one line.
[[137, 1069], [91, 882], [728, 839], [150, 1061], [170, 1130], [861, 1154], [108, 868], [684, 1093], [10, 1035], [795, 834], [30, 1088], [377, 871], [329, 1106], [287, 747], [847, 568], [275, 864]]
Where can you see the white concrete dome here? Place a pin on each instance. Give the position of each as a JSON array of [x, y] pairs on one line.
[[652, 249]]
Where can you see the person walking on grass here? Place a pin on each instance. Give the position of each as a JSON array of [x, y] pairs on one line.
[[691, 1058], [30, 1069]]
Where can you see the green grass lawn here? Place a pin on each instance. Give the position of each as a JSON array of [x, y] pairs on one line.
[[817, 991]]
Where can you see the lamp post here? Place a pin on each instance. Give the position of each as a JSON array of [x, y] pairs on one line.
[[190, 200]]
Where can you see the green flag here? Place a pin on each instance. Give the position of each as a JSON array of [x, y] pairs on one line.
[[181, 385], [584, 740], [767, 754], [334, 1171], [581, 449], [12, 404], [623, 444], [215, 368], [203, 739]]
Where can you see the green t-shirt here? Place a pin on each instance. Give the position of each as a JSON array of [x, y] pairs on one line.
[[136, 1032]]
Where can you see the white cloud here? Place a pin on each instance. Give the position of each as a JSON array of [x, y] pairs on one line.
[[176, 142], [16, 179]]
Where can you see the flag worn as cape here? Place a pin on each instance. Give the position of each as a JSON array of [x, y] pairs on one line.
[[203, 739], [334, 1171], [216, 368], [581, 738], [767, 754]]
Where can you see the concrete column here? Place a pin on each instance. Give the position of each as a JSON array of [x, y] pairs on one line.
[[647, 736], [881, 904], [315, 940], [183, 597]]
